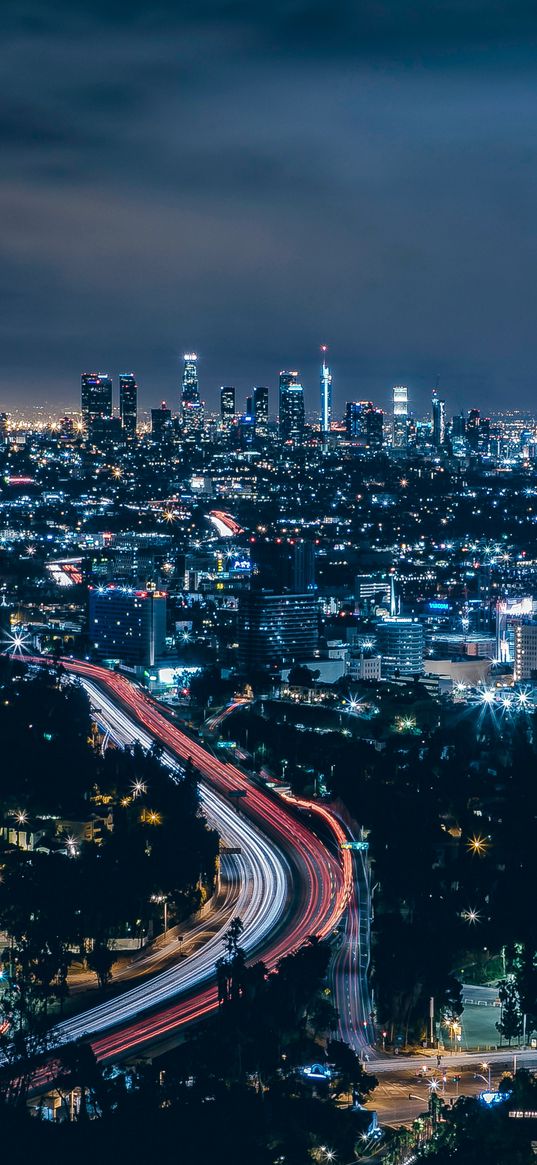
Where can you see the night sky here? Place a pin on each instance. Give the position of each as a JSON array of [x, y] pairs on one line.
[[253, 181]]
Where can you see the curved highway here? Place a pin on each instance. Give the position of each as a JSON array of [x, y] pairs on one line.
[[299, 888]]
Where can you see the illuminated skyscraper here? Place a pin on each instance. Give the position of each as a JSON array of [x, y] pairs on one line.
[[472, 429], [400, 416], [128, 404], [261, 413], [191, 405], [95, 396], [291, 407], [439, 421], [326, 396], [227, 406], [363, 420]]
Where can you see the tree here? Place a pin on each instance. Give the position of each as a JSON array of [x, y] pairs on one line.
[[349, 1071], [101, 960], [510, 1023]]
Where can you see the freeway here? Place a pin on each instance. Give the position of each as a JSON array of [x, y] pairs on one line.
[[299, 888], [350, 963], [260, 882]]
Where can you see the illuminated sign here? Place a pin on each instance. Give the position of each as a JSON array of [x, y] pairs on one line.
[[438, 605], [523, 606], [491, 1098]]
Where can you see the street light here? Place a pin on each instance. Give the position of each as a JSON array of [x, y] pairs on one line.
[[486, 1068]]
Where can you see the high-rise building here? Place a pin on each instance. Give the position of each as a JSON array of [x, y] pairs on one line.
[[128, 404], [261, 411], [106, 432], [400, 642], [472, 429], [525, 652], [458, 427], [4, 430], [275, 629], [161, 422], [95, 396], [227, 406], [374, 428], [439, 421], [303, 567], [291, 407], [365, 422], [400, 416], [326, 395], [127, 624], [191, 405]]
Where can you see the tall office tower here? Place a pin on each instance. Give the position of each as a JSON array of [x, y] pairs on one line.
[[276, 628], [127, 624], [458, 427], [354, 418], [374, 428], [472, 429], [191, 405], [326, 396], [525, 652], [401, 645], [227, 406], [400, 416], [303, 567], [161, 422], [484, 434], [96, 396], [364, 421], [4, 431], [291, 407], [261, 413], [439, 421], [128, 404]]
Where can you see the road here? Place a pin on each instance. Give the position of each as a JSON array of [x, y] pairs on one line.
[[403, 1092], [350, 963], [298, 887]]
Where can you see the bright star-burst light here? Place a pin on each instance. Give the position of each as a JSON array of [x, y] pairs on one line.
[[16, 643]]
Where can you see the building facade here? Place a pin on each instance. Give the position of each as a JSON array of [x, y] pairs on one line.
[[95, 397], [276, 629], [400, 643], [127, 624], [128, 404]]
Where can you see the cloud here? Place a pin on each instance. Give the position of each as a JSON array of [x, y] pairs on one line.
[[251, 182]]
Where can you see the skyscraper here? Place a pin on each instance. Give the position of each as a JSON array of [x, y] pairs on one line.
[[291, 407], [191, 405], [227, 406], [363, 420], [326, 396], [400, 642], [128, 404], [261, 413], [95, 396], [439, 421], [400, 416], [472, 429], [161, 422]]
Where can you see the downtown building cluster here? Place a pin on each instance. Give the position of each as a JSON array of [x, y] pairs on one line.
[[374, 546]]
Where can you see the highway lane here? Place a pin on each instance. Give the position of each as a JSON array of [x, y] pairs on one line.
[[350, 964], [261, 881], [320, 880]]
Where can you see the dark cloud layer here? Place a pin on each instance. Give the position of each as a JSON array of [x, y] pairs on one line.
[[251, 182]]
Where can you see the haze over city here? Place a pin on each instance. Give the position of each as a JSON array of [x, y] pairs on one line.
[[251, 182]]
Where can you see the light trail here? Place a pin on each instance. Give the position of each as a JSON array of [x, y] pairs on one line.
[[301, 891], [261, 878]]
